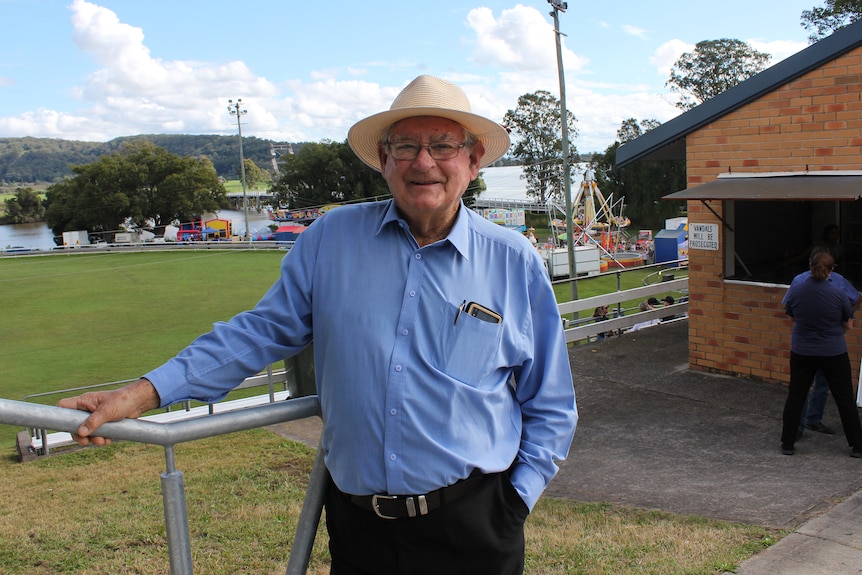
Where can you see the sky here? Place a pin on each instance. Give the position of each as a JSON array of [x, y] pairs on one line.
[[307, 70]]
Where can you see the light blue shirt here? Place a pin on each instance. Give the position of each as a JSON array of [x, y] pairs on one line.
[[411, 399]]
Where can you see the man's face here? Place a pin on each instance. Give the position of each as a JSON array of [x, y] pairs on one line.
[[426, 188]]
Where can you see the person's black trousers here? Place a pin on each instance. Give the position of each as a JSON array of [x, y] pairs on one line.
[[480, 533], [836, 369]]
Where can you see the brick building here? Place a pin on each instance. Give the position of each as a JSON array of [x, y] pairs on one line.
[[769, 163]]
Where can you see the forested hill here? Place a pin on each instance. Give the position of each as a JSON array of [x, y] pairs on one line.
[[32, 160]]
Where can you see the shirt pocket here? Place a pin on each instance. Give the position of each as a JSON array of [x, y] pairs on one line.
[[467, 350]]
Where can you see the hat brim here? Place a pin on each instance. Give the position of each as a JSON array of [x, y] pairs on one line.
[[364, 136]]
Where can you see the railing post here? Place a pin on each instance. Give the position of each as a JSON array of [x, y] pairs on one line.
[[309, 517], [176, 517], [44, 437], [269, 384], [619, 288]]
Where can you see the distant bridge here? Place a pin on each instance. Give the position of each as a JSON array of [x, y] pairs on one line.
[[527, 205], [263, 194], [256, 198]]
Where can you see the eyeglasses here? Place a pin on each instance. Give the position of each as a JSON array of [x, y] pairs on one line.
[[437, 150]]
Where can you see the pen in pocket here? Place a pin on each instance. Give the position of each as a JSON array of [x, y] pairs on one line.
[[458, 313]]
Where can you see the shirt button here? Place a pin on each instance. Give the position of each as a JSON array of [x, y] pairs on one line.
[[392, 457], [404, 332], [398, 368], [393, 412], [418, 256], [412, 293]]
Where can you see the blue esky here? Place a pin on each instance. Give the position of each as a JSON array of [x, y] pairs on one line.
[[306, 71]]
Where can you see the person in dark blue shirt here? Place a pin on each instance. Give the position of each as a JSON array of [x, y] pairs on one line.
[[815, 404], [821, 313]]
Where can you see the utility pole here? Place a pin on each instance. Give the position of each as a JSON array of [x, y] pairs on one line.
[[235, 109], [567, 177]]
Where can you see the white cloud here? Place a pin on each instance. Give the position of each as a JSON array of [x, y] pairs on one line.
[[635, 31], [667, 54], [520, 39], [137, 92], [778, 49]]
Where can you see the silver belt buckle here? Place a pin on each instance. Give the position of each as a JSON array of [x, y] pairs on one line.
[[376, 506], [409, 504]]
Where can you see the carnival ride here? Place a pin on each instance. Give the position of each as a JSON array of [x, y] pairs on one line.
[[598, 221]]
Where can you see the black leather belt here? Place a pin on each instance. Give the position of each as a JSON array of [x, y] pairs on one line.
[[403, 506]]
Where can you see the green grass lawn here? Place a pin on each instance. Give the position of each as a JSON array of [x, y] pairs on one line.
[[85, 319], [8, 192], [75, 320], [235, 186]]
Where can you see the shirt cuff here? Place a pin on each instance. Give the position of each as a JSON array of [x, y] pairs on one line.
[[162, 379], [528, 484]]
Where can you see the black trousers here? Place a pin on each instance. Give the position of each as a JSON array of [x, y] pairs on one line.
[[480, 533], [836, 369]]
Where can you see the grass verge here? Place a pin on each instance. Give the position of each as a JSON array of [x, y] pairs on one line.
[[96, 511]]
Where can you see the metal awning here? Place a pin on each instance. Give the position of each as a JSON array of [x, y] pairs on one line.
[[838, 186]]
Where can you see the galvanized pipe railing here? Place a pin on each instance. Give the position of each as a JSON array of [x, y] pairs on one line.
[[168, 435]]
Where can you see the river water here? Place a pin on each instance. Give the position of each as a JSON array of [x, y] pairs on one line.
[[40, 237]]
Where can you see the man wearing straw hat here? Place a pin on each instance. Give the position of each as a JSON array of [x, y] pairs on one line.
[[441, 365]]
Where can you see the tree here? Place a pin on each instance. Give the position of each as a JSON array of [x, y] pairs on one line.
[[324, 173], [537, 126], [474, 189], [713, 67], [142, 183], [824, 20], [643, 183], [253, 174], [25, 207]]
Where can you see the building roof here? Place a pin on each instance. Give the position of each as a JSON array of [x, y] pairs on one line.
[[837, 186], [667, 142]]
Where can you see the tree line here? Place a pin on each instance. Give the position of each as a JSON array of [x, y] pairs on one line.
[[32, 160]]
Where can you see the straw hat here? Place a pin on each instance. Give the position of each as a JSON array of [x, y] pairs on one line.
[[428, 96]]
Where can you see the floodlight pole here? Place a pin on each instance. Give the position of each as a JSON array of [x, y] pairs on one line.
[[567, 177], [235, 110]]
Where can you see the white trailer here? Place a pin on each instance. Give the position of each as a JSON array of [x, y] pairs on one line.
[[75, 239], [127, 238], [586, 261]]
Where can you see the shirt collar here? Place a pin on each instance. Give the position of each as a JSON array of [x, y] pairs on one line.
[[458, 235]]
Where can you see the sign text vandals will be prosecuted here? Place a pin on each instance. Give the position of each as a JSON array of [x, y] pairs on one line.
[[703, 236]]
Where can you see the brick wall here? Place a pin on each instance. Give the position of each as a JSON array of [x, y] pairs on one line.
[[814, 123]]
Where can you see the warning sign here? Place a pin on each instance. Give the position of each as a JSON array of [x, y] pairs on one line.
[[703, 236]]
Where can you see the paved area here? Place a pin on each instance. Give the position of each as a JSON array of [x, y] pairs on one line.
[[655, 435]]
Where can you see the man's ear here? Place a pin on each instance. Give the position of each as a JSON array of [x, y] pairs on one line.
[[381, 155], [475, 157]]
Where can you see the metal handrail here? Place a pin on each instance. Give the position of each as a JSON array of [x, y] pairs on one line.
[[268, 378], [168, 435]]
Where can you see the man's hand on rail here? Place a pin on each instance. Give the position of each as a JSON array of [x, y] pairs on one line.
[[127, 402]]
